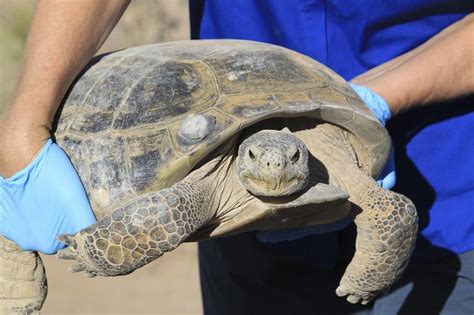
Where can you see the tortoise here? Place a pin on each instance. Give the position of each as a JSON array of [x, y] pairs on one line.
[[191, 140]]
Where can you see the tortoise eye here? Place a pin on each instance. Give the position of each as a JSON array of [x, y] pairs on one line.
[[295, 156], [251, 155]]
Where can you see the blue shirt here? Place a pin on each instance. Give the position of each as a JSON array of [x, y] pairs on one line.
[[434, 145]]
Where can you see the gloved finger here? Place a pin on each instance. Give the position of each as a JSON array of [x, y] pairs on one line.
[[388, 178]]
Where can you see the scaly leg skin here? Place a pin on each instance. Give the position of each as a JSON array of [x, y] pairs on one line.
[[141, 231], [386, 234], [22, 280]]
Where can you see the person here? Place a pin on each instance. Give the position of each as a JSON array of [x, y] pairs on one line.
[[265, 273], [41, 195], [411, 53]]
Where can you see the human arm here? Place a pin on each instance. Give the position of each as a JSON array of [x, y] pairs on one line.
[[440, 69], [63, 37], [41, 195]]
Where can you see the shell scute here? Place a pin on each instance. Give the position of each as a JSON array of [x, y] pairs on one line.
[[257, 70], [167, 91]]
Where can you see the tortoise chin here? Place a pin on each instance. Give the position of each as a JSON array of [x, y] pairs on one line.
[[269, 187]]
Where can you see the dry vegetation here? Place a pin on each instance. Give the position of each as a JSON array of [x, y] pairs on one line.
[[15, 19], [144, 22], [168, 286]]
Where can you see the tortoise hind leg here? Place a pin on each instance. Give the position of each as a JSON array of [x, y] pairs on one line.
[[386, 234], [22, 280]]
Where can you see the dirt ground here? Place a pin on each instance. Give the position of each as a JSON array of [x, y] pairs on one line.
[[169, 285]]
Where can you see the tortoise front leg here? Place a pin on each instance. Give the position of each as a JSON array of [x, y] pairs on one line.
[[386, 234], [22, 280], [141, 231]]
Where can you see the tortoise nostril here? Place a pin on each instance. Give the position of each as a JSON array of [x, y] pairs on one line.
[[278, 164], [295, 156], [268, 163], [251, 155]]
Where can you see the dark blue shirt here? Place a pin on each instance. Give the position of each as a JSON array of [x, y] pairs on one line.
[[434, 145]]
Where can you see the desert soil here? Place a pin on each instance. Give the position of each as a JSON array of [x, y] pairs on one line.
[[169, 285]]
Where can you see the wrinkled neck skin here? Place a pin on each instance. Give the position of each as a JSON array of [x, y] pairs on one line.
[[331, 154], [226, 195], [232, 208]]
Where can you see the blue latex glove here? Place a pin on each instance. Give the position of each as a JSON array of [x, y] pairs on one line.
[[386, 179], [43, 200]]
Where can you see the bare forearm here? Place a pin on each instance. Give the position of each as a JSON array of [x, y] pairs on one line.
[[440, 69], [64, 35]]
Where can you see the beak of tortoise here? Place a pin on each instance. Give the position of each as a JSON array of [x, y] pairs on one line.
[[273, 186]]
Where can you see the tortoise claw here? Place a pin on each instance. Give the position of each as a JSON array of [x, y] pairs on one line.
[[67, 253], [354, 297], [68, 239], [71, 253], [77, 267], [365, 302]]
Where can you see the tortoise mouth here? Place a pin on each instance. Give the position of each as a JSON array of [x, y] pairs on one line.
[[274, 187]]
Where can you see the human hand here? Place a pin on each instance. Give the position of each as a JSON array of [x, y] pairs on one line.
[[386, 179], [43, 200]]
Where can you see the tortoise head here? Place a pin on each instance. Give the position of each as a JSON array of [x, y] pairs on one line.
[[273, 163]]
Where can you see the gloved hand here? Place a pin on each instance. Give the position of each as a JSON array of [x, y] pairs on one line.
[[43, 200], [386, 179]]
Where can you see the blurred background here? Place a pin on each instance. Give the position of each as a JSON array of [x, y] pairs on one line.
[[169, 285]]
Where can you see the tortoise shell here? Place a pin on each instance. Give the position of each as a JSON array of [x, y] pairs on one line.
[[122, 122]]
